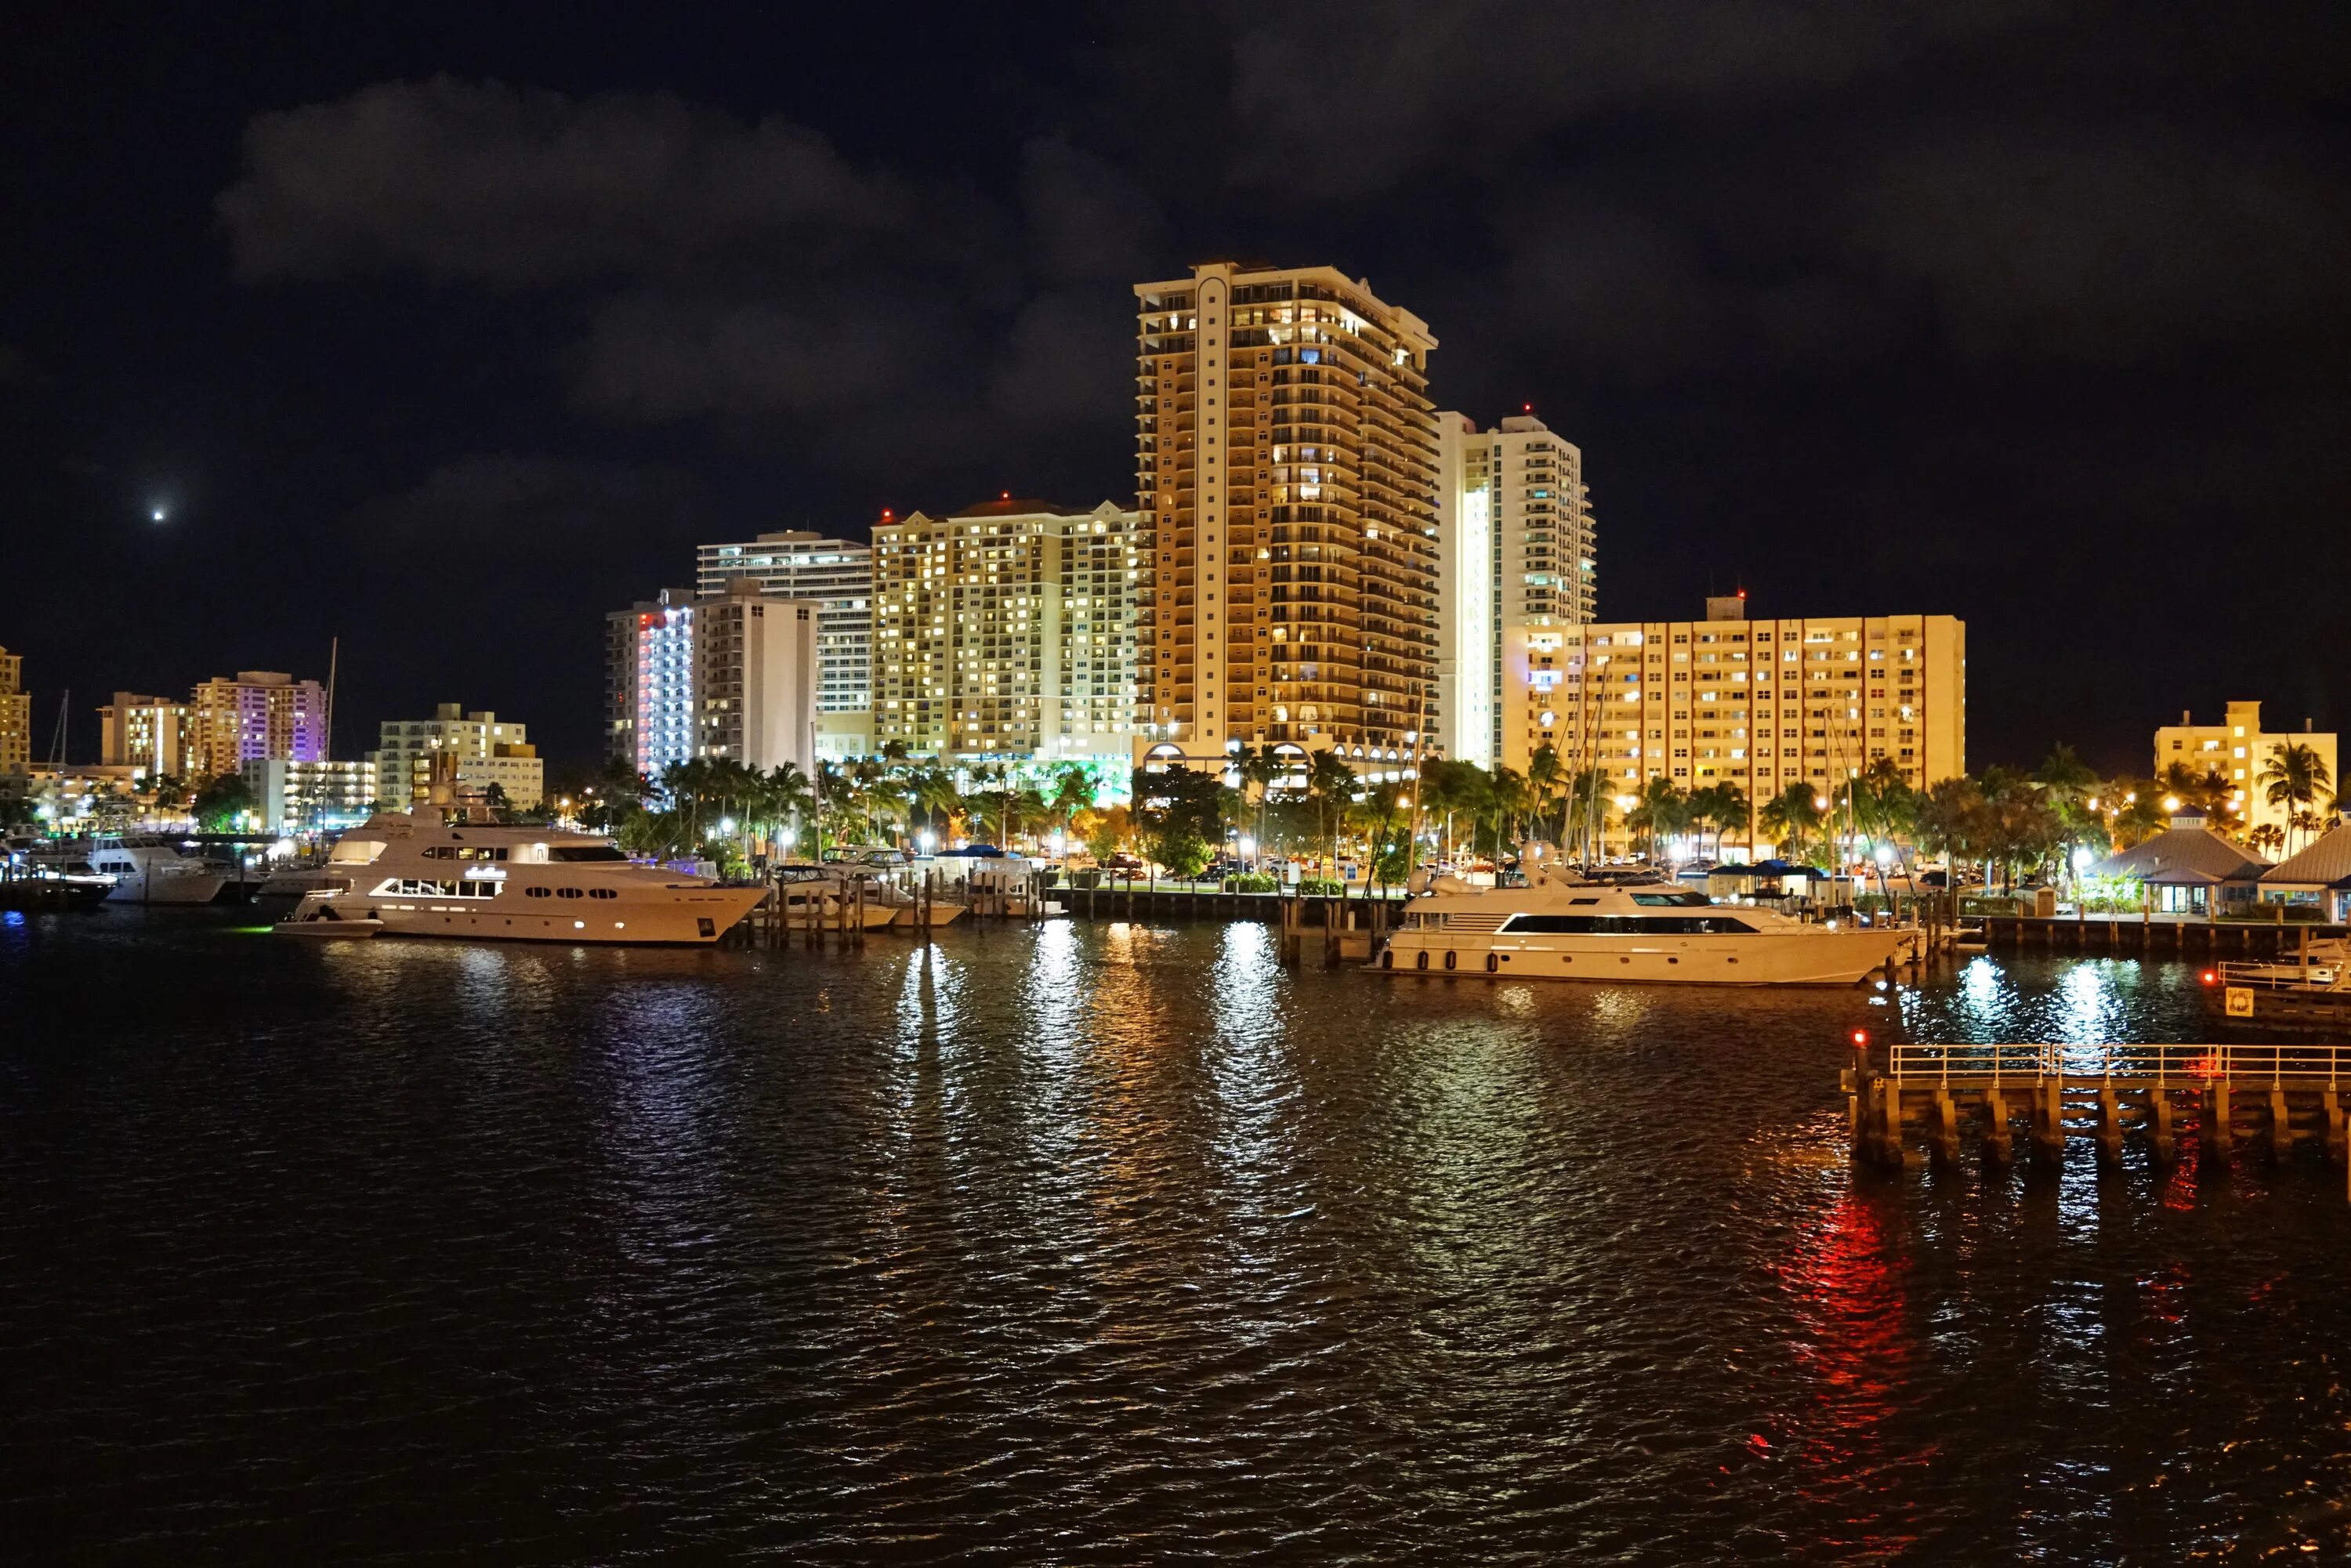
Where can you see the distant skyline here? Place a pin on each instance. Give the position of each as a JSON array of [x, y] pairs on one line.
[[448, 332]]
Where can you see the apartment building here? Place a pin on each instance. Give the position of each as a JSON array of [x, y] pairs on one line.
[[297, 797], [1286, 481], [1007, 632], [755, 677], [232, 720], [489, 750], [1515, 546], [150, 734], [649, 706], [16, 716], [838, 574], [1759, 704], [2239, 749]]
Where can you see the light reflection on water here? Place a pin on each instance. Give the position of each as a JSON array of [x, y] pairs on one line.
[[1044, 1242]]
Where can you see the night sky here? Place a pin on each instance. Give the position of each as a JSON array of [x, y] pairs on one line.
[[447, 330]]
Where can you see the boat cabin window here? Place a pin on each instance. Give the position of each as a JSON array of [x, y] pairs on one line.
[[1624, 926], [465, 852], [572, 853], [1684, 898], [425, 887]]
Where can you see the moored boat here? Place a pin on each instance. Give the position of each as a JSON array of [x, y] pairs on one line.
[[1649, 932], [417, 875]]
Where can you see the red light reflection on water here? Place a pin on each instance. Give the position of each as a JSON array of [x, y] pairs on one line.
[[1847, 1282]]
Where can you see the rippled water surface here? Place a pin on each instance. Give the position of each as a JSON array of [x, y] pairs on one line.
[[1104, 1244]]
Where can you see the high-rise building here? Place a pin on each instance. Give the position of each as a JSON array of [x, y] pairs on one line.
[[755, 677], [1286, 473], [838, 574], [648, 709], [16, 716], [255, 714], [1760, 704], [489, 750], [2238, 749], [1006, 631], [148, 733], [1515, 548]]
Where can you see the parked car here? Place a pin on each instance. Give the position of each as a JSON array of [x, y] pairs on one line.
[[1123, 864]]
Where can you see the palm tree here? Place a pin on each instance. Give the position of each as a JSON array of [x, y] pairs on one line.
[[1333, 786], [1791, 818], [2294, 776]]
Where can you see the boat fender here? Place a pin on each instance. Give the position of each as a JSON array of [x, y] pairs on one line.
[[1449, 959], [1493, 962], [1420, 960], [1387, 960]]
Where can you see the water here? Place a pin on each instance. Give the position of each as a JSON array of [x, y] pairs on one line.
[[1099, 1244]]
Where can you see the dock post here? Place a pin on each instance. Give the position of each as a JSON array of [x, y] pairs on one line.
[[2280, 1125], [1999, 1139], [2331, 1106], [2220, 1103], [2159, 1123], [2110, 1123], [1943, 1127], [2049, 1117]]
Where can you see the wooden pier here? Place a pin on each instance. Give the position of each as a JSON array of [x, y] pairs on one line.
[[2272, 1095], [2132, 936]]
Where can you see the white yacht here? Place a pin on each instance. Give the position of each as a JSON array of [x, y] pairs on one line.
[[1566, 929], [151, 869], [420, 876]]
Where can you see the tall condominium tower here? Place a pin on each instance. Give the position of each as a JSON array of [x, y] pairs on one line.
[[1515, 549], [836, 573], [649, 713], [255, 714], [1286, 472], [16, 716], [1006, 631]]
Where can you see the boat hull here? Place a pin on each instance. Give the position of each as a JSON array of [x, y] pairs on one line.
[[1816, 957], [168, 892], [690, 919]]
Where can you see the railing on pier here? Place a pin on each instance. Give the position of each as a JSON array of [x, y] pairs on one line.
[[2291, 1064]]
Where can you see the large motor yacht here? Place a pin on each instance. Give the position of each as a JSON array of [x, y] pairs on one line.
[[151, 869], [1563, 927], [420, 876]]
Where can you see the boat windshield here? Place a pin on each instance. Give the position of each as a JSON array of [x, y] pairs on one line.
[[573, 853], [1683, 898]]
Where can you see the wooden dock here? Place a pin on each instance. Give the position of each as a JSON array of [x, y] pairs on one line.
[[2273, 1096], [2131, 935]]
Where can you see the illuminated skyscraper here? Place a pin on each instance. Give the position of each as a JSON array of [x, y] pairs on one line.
[[649, 711], [1515, 548], [1286, 475]]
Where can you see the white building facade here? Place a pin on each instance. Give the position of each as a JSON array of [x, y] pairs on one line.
[[1515, 548], [838, 574], [489, 750], [757, 678]]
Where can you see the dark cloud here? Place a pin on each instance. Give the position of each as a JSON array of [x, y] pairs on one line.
[[2112, 242], [1342, 99], [503, 507], [480, 183]]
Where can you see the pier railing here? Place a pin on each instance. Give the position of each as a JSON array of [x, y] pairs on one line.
[[2300, 1065]]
